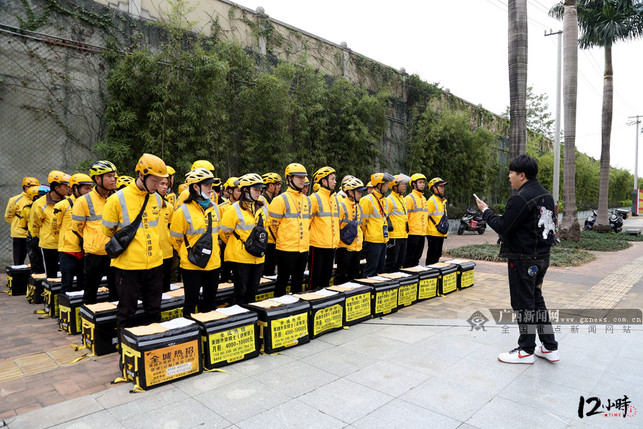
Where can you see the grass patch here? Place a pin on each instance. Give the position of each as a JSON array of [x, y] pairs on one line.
[[593, 235], [560, 256]]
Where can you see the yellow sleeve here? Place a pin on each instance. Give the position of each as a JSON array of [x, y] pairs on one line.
[[228, 224], [10, 211], [276, 211], [24, 218], [35, 219], [59, 213], [111, 215], [177, 230], [366, 211], [78, 216]]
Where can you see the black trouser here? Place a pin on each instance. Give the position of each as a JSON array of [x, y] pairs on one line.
[[193, 281], [271, 260], [167, 273], [226, 267], [395, 254], [414, 249], [525, 288], [70, 267], [290, 266], [19, 250], [434, 249], [246, 281], [347, 265], [51, 262], [132, 285], [176, 261], [320, 266], [96, 267], [35, 255], [375, 258]]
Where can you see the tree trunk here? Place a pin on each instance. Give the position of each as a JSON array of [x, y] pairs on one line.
[[517, 77], [602, 221], [570, 229]]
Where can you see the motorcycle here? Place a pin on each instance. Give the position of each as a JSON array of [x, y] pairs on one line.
[[472, 221], [616, 220]]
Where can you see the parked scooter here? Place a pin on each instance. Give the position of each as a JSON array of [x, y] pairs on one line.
[[472, 221], [616, 220]]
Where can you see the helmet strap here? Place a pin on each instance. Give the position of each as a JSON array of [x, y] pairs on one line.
[[292, 184]]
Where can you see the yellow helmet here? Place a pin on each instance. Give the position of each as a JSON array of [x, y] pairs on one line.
[[251, 179], [232, 182], [123, 181], [199, 175], [322, 173], [30, 181], [101, 167], [171, 171], [316, 187], [307, 182], [271, 178], [182, 187], [80, 179], [353, 183], [347, 178], [295, 169], [32, 191], [217, 181], [378, 178], [399, 178], [57, 176], [202, 163], [416, 177], [151, 164], [369, 184], [437, 181]]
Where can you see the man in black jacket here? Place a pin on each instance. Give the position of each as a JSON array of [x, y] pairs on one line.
[[527, 231]]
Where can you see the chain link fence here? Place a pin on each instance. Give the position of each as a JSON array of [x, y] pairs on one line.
[[51, 110]]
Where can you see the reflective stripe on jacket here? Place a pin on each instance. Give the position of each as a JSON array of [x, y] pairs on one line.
[[121, 209], [373, 219], [324, 220], [87, 220], [398, 215], [13, 214], [242, 221], [41, 218], [68, 242], [418, 212], [191, 221], [436, 207], [167, 210], [289, 218], [349, 210], [271, 236]]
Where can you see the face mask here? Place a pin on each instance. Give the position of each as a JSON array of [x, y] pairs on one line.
[[204, 196]]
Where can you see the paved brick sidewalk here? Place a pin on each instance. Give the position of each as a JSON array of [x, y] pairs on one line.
[[35, 370]]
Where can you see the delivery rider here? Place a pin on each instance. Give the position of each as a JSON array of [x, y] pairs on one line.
[[437, 209], [347, 255], [170, 196], [236, 226], [324, 228], [375, 210], [418, 218], [289, 220], [87, 218], [396, 247], [35, 255], [183, 194], [70, 250], [233, 193], [12, 215], [138, 270], [190, 223], [42, 220], [273, 182], [164, 229]]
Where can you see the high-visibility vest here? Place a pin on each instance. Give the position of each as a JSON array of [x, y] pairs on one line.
[[349, 210], [41, 218], [167, 209], [240, 221], [418, 213], [324, 222], [375, 209], [398, 215], [13, 214], [436, 208], [68, 241], [121, 208], [190, 221], [87, 221], [289, 219]]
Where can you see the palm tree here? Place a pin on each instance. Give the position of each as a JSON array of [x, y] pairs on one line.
[[569, 228], [517, 77], [603, 23]]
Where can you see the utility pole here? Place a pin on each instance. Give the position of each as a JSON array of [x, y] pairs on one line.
[[635, 120], [556, 182]]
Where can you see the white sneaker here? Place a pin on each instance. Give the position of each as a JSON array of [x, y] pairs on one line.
[[550, 355], [516, 355]]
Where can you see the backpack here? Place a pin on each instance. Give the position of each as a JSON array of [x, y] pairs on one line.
[[199, 254], [257, 241]]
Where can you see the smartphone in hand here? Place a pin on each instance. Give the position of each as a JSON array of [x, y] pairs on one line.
[[475, 196]]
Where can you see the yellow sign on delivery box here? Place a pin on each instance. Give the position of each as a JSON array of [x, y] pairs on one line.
[[172, 362], [287, 331], [231, 345]]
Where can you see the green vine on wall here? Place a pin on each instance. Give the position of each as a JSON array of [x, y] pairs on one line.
[[53, 115], [32, 23]]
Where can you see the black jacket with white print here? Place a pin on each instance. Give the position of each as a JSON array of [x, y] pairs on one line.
[[527, 228]]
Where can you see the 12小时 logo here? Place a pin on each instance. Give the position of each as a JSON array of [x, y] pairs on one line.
[[593, 406]]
